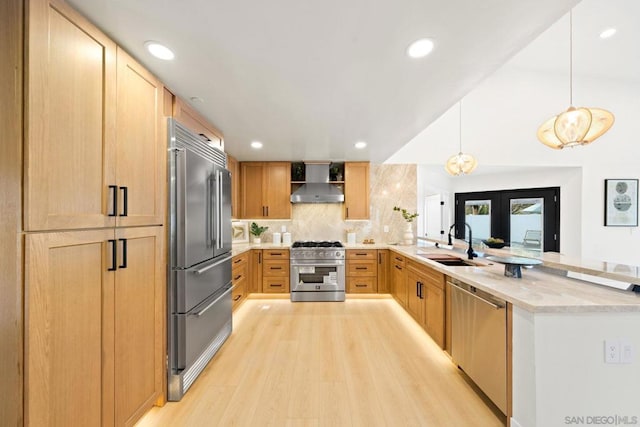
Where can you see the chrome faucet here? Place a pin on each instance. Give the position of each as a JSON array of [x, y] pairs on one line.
[[470, 252]]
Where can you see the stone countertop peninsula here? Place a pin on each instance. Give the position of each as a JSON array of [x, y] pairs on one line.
[[537, 291]]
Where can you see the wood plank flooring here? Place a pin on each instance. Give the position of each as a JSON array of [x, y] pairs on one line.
[[363, 362]]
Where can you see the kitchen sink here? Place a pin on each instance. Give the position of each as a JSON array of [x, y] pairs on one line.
[[449, 260]]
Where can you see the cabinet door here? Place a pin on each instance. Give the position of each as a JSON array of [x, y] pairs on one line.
[[383, 271], [69, 294], [434, 321], [234, 168], [139, 318], [255, 271], [356, 190], [276, 190], [70, 132], [399, 284], [415, 301], [140, 156], [251, 177]]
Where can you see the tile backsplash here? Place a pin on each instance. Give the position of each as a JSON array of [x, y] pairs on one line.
[[391, 185]]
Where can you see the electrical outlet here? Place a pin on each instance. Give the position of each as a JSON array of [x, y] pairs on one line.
[[611, 351], [385, 228], [626, 351]]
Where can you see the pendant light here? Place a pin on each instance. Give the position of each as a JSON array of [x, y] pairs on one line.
[[461, 163], [576, 126]]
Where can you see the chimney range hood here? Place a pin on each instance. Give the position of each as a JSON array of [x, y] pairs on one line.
[[316, 188]]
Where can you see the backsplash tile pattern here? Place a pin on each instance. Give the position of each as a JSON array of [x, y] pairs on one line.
[[391, 185]]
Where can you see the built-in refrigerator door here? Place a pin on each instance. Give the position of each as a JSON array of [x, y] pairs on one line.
[[222, 211], [194, 183]]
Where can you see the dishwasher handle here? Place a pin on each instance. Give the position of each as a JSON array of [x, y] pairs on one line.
[[492, 304]]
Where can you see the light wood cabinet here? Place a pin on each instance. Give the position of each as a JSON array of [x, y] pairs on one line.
[[356, 190], [188, 116], [265, 190], [139, 314], [415, 292], [275, 271], [426, 299], [398, 278], [94, 326], [255, 271], [361, 271], [93, 153], [240, 278], [234, 168], [70, 120], [140, 156], [383, 271]]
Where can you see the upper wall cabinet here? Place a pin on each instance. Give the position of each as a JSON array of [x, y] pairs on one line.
[[70, 132], [189, 117], [140, 152], [356, 190], [93, 156], [266, 190]]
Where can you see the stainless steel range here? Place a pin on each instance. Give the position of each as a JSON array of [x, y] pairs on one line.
[[317, 271]]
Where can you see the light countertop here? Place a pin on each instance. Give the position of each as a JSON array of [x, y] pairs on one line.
[[537, 291]]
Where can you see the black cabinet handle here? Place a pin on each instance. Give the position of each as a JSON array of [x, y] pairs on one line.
[[114, 194], [114, 256], [361, 268], [124, 253], [237, 297], [259, 257], [420, 294], [398, 267], [237, 277], [379, 258], [125, 201], [267, 210]]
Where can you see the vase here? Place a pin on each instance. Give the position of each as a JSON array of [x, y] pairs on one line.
[[257, 240], [408, 234]]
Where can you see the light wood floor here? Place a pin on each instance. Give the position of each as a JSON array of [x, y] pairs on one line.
[[363, 362]]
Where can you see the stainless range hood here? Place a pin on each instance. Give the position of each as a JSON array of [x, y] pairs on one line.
[[317, 188]]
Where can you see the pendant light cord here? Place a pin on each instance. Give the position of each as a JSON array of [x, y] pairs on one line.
[[571, 57], [460, 125]]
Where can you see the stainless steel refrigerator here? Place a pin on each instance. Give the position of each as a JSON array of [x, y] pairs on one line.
[[199, 294]]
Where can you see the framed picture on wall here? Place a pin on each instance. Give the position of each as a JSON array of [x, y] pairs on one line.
[[621, 202], [240, 232]]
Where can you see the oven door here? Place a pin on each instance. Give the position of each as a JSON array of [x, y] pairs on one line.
[[317, 276]]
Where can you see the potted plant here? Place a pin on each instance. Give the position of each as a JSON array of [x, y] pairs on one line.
[[408, 217], [256, 231]]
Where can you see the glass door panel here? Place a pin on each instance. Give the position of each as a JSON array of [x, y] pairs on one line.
[[526, 217], [477, 213]]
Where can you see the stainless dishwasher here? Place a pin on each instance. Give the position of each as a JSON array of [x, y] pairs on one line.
[[479, 339]]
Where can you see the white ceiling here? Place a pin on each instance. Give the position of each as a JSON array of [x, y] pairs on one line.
[[309, 79]]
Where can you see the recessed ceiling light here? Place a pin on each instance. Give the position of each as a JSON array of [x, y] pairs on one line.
[[420, 48], [360, 145], [609, 32], [256, 144], [159, 51]]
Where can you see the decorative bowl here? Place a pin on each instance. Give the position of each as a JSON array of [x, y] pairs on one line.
[[494, 245]]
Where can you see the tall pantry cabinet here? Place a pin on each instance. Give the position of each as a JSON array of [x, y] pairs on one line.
[[94, 209]]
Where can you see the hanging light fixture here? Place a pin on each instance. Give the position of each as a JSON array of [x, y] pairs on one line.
[[461, 163], [576, 126]]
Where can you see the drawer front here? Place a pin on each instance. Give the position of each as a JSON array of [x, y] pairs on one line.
[[362, 285], [275, 285], [362, 268], [239, 291], [367, 254], [240, 260], [275, 268], [239, 274], [275, 254], [397, 259]]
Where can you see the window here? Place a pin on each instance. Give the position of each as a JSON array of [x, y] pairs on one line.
[[525, 218]]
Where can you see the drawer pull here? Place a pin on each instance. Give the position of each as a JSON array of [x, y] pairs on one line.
[[361, 254], [237, 261], [276, 285], [237, 277], [275, 253], [360, 286], [237, 297], [399, 259], [275, 268], [361, 268], [398, 267]]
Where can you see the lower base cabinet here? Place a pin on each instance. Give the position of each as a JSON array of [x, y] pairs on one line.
[[425, 299], [275, 271], [93, 325], [240, 278]]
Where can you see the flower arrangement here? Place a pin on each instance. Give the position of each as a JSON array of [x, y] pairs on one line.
[[409, 217]]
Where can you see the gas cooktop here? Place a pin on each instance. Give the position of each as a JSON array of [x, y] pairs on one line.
[[317, 244]]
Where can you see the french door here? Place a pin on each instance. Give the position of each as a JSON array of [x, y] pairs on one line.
[[526, 218]]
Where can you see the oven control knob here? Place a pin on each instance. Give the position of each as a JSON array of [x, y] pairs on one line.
[[337, 254]]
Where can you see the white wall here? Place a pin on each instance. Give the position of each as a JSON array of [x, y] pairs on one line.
[[569, 375]]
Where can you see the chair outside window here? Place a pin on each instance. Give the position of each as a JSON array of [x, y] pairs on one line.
[[532, 239]]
